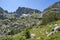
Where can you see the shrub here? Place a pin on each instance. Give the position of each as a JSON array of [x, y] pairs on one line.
[[14, 31], [27, 33]]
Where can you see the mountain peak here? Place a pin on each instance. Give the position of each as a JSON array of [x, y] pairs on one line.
[[24, 10], [55, 5]]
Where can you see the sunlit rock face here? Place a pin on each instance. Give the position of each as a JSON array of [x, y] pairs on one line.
[[57, 28], [25, 15], [32, 35], [23, 10]]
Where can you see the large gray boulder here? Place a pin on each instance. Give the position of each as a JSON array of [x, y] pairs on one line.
[[57, 28]]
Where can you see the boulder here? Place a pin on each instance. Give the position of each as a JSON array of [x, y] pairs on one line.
[[32, 35], [51, 33], [57, 28]]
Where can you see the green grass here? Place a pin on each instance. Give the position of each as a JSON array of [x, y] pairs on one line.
[[39, 32]]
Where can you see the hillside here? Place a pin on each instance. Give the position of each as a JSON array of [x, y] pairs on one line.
[[30, 24], [13, 21], [40, 32], [54, 6]]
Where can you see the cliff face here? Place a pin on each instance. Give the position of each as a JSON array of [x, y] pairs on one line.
[[23, 10]]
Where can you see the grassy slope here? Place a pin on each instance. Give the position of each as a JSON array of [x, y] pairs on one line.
[[40, 33]]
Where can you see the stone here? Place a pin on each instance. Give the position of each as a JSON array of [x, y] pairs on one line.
[[57, 28], [51, 33], [32, 35]]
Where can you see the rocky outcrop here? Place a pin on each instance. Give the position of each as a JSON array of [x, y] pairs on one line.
[[32, 35], [24, 10], [57, 28]]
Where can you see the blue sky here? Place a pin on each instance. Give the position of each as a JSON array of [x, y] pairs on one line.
[[12, 5]]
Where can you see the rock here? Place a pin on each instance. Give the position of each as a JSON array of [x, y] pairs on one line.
[[24, 15], [32, 35], [57, 28], [51, 33]]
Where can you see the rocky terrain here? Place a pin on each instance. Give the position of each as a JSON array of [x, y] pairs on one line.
[[18, 20], [30, 24]]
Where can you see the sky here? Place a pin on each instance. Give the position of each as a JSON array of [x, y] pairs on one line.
[[12, 5]]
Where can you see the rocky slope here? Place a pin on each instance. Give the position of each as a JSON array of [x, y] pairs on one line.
[[55, 5], [23, 10], [16, 23]]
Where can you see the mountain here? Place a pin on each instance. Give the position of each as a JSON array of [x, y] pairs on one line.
[[30, 24], [52, 13], [19, 12], [2, 12], [23, 10], [34, 29], [18, 20], [54, 6]]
